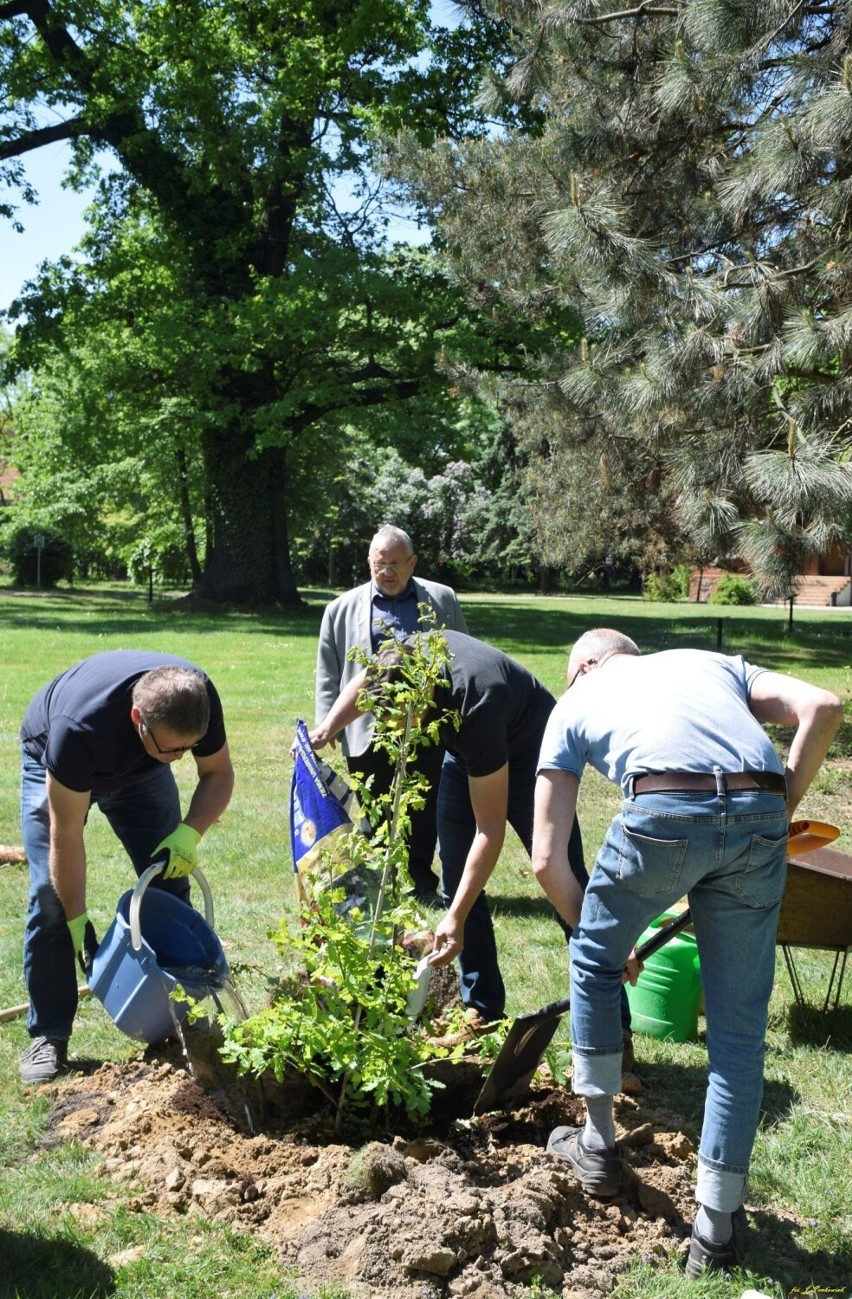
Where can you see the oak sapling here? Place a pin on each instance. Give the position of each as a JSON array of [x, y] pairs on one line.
[[344, 1024]]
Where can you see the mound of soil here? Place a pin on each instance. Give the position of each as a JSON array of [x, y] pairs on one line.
[[467, 1207]]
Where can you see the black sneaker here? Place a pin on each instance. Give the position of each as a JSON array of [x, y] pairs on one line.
[[707, 1257], [44, 1059], [429, 898], [598, 1171]]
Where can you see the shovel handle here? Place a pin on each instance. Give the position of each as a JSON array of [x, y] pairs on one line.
[[653, 944], [142, 884], [663, 934]]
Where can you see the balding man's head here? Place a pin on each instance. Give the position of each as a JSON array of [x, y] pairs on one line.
[[594, 647]]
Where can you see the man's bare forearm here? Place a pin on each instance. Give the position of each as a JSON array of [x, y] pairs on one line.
[[810, 747], [343, 712], [555, 805], [211, 796], [67, 864]]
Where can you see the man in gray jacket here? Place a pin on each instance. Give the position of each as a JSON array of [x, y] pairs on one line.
[[366, 616]]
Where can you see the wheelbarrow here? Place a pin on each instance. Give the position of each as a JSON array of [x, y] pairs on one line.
[[816, 911]]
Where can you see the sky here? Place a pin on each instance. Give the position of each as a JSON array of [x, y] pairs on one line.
[[51, 229]]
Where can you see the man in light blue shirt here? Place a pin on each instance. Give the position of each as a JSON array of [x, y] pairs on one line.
[[706, 809]]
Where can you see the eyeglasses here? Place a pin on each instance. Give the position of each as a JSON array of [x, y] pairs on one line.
[[589, 664], [378, 567], [179, 748]]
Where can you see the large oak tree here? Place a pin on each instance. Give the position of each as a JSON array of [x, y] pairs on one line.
[[234, 286]]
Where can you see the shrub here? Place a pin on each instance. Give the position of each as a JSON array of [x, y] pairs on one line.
[[733, 589], [56, 556], [664, 586], [681, 575]]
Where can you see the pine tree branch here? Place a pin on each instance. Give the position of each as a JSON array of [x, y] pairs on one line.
[[732, 282], [646, 8], [815, 376], [768, 41]]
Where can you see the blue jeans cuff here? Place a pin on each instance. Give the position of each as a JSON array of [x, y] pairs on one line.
[[719, 1188], [596, 1075]]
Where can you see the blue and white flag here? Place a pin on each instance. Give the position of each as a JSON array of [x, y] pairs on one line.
[[316, 812]]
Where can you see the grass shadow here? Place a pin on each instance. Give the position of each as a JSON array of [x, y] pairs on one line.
[[774, 1251], [37, 1266], [684, 1087], [779, 1099], [829, 1030], [685, 627], [519, 907], [129, 614]]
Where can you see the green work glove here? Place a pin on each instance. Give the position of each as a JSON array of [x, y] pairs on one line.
[[77, 930], [181, 847], [84, 940]]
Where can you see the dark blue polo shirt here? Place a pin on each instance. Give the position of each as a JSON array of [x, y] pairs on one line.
[[78, 725]]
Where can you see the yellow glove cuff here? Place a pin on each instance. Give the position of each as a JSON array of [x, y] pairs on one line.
[[77, 930]]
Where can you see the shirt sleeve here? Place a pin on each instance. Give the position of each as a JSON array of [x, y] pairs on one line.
[[750, 675], [560, 745], [68, 756], [214, 737], [482, 740]]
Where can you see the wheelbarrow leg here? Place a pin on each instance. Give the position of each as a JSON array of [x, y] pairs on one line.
[[794, 975], [839, 960], [838, 970]]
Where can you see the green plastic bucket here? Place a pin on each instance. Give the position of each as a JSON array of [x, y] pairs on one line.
[[667, 995]]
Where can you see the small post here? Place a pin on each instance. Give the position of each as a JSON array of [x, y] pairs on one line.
[[38, 542], [718, 635]]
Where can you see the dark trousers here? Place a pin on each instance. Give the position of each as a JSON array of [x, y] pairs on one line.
[[424, 823], [481, 981]]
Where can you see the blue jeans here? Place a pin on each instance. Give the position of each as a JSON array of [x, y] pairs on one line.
[[141, 815], [481, 981], [728, 853]]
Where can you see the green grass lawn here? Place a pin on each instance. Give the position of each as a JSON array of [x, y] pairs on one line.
[[263, 665]]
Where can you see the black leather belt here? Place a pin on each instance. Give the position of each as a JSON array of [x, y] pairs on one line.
[[674, 782]]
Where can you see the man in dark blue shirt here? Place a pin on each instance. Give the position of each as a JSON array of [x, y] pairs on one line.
[[388, 605], [106, 731]]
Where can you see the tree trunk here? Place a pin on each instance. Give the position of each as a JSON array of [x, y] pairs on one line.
[[249, 560], [186, 516]]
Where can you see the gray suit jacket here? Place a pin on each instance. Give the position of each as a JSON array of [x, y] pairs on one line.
[[346, 622]]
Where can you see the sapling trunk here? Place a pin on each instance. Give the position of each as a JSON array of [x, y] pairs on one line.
[[387, 873]]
